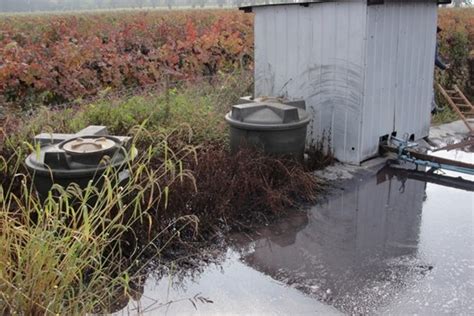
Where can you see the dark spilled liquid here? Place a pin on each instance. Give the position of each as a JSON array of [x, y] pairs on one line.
[[382, 244]]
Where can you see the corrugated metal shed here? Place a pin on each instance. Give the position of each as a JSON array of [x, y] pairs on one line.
[[365, 71]]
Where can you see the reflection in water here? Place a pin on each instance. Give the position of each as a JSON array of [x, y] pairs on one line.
[[355, 249], [368, 250]]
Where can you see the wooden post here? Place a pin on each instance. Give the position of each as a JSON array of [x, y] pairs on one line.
[[462, 144]]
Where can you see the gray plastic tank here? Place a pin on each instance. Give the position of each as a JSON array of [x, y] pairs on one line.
[[75, 160], [276, 128]]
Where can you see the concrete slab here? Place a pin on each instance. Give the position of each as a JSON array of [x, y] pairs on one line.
[[450, 133]]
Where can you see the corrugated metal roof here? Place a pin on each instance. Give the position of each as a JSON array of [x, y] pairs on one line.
[[249, 7]]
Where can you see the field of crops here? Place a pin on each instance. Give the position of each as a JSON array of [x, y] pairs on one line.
[[50, 59]]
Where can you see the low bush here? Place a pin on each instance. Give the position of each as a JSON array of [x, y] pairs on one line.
[[52, 59], [456, 41]]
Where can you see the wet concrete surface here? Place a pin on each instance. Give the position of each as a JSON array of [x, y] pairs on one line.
[[379, 244]]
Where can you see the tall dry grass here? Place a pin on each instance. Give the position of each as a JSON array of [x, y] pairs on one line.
[[66, 255]]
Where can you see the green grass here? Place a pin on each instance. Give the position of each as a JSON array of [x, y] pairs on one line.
[[446, 115], [198, 108]]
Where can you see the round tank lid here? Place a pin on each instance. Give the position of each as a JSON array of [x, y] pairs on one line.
[[267, 115], [85, 145], [78, 155]]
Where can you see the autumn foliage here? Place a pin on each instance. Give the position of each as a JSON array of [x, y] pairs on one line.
[[51, 59], [456, 44]]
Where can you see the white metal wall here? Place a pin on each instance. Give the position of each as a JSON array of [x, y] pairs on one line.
[[316, 53], [401, 39], [364, 71]]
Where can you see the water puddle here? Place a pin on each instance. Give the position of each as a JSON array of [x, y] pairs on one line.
[[382, 244]]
